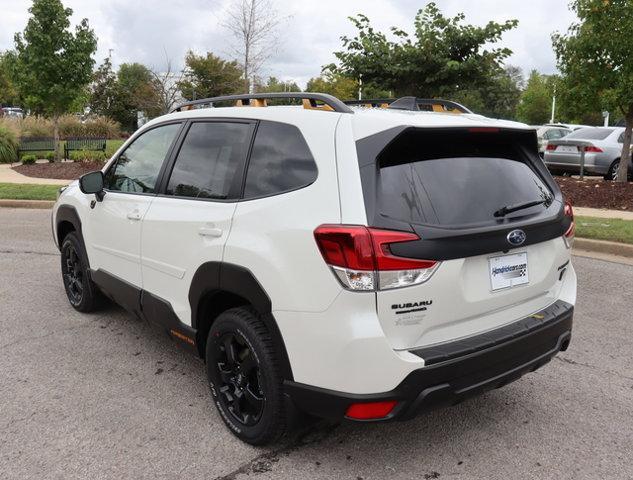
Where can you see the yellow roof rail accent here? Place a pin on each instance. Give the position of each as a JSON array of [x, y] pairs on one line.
[[310, 104], [253, 102]]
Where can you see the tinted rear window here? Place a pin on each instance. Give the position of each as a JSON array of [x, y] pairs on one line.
[[590, 133], [453, 180], [280, 161]]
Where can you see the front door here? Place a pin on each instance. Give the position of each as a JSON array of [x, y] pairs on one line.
[[113, 238]]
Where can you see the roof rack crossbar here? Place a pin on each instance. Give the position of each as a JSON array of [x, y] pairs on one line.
[[333, 102]]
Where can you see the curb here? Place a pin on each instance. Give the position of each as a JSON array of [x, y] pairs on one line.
[[41, 204], [603, 246]]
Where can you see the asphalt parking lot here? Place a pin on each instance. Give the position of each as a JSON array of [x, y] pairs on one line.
[[104, 396]]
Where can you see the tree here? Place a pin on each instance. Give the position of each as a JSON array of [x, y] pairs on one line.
[[8, 92], [53, 65], [136, 91], [498, 96], [443, 56], [595, 56], [209, 76], [166, 84], [273, 84], [253, 24], [104, 91], [535, 107], [338, 85]]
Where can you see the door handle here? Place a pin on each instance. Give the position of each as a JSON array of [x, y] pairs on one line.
[[210, 232], [134, 215]]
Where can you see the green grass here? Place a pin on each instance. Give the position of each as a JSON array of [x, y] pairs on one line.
[[614, 230], [20, 191]]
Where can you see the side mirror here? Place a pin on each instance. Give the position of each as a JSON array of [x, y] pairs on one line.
[[92, 182]]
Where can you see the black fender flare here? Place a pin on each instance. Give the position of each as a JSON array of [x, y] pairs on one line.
[[234, 279], [67, 213]]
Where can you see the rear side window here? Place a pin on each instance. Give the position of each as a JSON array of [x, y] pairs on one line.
[[455, 179], [211, 161], [280, 161], [591, 133]]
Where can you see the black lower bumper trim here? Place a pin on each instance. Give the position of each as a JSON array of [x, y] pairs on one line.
[[451, 381]]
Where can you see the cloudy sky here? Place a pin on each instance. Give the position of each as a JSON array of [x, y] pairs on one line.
[[144, 30]]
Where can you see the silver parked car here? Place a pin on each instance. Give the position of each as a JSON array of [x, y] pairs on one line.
[[602, 146]]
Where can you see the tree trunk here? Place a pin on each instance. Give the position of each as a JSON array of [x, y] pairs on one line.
[[625, 158], [56, 137]]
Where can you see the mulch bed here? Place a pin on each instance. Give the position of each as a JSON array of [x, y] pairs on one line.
[[597, 193], [60, 170]]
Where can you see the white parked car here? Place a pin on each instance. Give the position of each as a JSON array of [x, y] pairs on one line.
[[360, 264], [547, 133]]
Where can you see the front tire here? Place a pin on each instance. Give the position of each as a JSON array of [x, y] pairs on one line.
[[82, 293], [245, 378], [612, 174]]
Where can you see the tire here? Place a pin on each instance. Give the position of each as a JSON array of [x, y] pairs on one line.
[[612, 174], [82, 293], [244, 377]]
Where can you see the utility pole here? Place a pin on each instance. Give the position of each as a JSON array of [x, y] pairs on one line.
[[553, 106], [360, 87]]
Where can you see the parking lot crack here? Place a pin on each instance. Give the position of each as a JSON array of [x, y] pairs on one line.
[[29, 252], [264, 462]]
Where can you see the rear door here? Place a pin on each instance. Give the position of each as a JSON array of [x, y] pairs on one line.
[[189, 222], [450, 187]]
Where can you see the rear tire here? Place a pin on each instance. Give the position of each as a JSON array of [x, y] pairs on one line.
[[245, 378], [82, 293]]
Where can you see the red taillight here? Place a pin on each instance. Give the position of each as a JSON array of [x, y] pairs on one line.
[[571, 231], [346, 246], [592, 149], [358, 254], [370, 411], [550, 147]]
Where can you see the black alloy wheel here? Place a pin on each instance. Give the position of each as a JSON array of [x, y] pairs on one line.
[[241, 387], [73, 274], [245, 378]]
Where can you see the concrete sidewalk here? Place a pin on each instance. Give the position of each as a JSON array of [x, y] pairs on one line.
[[8, 175], [602, 213]]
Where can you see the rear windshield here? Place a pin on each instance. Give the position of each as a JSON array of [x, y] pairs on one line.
[[591, 133], [455, 179]]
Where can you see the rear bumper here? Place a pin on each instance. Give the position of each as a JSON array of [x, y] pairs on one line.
[[492, 361]]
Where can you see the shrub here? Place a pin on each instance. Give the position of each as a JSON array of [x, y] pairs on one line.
[[87, 156], [99, 126], [35, 127], [28, 159], [50, 156], [8, 145], [71, 126]]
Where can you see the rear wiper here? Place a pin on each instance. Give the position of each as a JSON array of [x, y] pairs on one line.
[[502, 212]]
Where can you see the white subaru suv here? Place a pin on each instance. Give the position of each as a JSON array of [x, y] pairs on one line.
[[350, 263]]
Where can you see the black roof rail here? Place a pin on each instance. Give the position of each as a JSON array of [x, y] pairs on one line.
[[410, 103], [334, 103]]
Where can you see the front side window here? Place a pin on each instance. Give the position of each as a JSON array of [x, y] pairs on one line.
[[210, 163], [280, 161], [136, 170]]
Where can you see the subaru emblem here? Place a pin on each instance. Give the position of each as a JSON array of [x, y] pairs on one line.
[[516, 237]]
